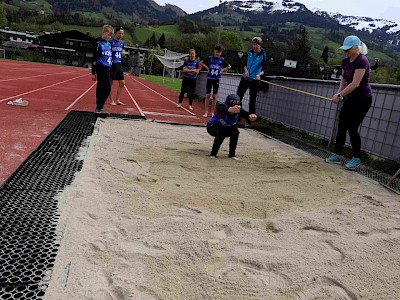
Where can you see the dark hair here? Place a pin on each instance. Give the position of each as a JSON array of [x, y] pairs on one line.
[[218, 48], [119, 28]]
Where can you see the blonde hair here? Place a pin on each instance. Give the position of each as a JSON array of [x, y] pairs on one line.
[[363, 48], [108, 28]]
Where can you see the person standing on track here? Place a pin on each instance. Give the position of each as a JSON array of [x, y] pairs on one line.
[[117, 44], [190, 71], [355, 92], [254, 67], [215, 65], [101, 64]]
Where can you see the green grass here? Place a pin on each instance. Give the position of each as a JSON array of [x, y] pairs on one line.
[[143, 33], [96, 32], [171, 83], [46, 6]]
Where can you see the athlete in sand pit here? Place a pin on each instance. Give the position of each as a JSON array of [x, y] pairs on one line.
[[223, 123]]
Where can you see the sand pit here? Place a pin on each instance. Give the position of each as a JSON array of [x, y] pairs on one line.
[[151, 216]]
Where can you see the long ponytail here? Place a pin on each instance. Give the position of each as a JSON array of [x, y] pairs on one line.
[[363, 48]]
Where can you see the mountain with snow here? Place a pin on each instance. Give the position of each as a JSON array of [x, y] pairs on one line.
[[262, 12]]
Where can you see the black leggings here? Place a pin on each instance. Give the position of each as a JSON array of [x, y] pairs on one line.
[[103, 88], [189, 86], [254, 87], [351, 116], [220, 133]]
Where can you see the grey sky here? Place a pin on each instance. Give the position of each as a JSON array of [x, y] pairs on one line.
[[383, 9]]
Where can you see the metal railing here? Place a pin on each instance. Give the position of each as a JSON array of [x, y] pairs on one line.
[[380, 130]]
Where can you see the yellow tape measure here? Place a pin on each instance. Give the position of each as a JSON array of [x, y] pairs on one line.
[[296, 90]]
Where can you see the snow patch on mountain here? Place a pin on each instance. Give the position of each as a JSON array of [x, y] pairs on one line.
[[362, 23]]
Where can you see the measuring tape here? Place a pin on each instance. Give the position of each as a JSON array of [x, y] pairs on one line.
[[296, 90]]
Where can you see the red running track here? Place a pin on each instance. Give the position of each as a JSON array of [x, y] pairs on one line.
[[52, 91]]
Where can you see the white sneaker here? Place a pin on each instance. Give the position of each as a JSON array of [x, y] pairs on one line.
[[205, 115], [190, 107], [179, 105]]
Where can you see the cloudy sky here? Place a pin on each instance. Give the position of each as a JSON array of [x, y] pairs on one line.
[[382, 9]]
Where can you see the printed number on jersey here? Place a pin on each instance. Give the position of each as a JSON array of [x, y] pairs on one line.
[[214, 72]]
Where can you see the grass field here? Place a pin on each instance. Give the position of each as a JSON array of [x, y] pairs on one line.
[[143, 33], [171, 83], [96, 32]]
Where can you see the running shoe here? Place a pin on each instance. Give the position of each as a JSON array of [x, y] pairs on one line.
[[333, 159], [353, 164]]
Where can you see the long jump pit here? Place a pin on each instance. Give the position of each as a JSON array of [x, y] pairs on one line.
[[151, 216]]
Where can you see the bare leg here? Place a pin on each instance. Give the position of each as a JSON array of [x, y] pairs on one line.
[[214, 102], [111, 98], [206, 104], [121, 84]]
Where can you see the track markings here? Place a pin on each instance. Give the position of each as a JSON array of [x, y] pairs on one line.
[[79, 98], [42, 88]]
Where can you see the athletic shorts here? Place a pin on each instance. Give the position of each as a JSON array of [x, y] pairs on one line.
[[116, 72], [212, 84]]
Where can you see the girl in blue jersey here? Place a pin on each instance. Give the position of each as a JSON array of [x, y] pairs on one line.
[[101, 64], [215, 65], [223, 123], [117, 45], [190, 71], [254, 68]]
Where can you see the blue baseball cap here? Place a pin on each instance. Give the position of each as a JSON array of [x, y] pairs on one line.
[[232, 100], [350, 41]]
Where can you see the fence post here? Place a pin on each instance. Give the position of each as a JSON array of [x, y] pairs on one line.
[[335, 124]]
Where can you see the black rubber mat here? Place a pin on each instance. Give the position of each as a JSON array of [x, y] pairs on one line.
[[363, 170], [28, 207]]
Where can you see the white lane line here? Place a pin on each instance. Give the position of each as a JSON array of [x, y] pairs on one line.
[[168, 115], [161, 95], [79, 98], [134, 102], [42, 88], [51, 74]]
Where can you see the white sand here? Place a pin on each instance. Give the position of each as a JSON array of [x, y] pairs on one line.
[[151, 216]]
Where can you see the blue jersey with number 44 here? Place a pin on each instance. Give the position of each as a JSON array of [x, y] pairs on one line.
[[215, 67], [116, 48]]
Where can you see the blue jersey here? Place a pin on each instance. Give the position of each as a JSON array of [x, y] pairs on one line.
[[191, 65], [221, 116], [256, 62], [104, 50], [214, 65], [116, 48]]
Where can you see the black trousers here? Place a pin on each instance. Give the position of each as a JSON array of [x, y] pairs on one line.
[[103, 88], [188, 86], [351, 116], [220, 133], [254, 87]]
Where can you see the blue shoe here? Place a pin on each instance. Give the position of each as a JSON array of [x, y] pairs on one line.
[[333, 159], [353, 164]]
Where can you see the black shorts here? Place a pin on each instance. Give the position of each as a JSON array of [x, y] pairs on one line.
[[116, 72], [212, 84]]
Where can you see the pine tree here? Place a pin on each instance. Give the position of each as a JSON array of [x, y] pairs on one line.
[[161, 41], [324, 55], [301, 49]]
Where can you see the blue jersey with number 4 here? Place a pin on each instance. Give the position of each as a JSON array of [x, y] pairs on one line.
[[104, 48], [116, 48], [215, 67]]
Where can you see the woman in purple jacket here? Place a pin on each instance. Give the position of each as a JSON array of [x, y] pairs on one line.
[[355, 92]]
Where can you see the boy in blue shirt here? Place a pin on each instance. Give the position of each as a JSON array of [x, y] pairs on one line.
[[101, 64], [215, 65], [255, 67], [117, 45], [223, 123]]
